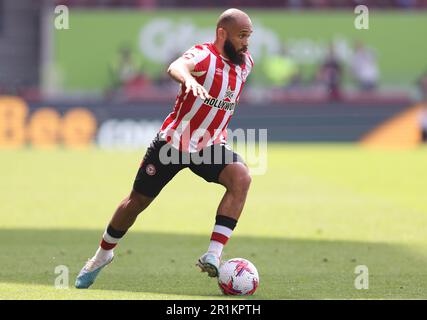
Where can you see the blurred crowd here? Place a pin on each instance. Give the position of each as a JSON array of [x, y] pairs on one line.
[[281, 71], [280, 77], [363, 71], [359, 72], [248, 3]]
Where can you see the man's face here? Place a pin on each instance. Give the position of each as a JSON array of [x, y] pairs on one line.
[[237, 42]]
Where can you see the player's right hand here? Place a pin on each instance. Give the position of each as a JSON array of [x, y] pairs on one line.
[[197, 88]]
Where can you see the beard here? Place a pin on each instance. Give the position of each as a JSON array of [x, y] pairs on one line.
[[237, 57]]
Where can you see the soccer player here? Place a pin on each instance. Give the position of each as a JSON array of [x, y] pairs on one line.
[[212, 76]]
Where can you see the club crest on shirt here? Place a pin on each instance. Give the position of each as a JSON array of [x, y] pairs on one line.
[[244, 74]]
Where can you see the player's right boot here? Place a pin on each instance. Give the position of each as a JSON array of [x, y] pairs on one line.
[[209, 263], [90, 271]]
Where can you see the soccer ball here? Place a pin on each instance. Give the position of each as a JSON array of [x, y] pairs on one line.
[[238, 277]]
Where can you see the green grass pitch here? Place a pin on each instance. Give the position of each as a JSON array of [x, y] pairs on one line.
[[318, 213]]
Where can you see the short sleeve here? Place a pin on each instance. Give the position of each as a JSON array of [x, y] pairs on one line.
[[198, 54]]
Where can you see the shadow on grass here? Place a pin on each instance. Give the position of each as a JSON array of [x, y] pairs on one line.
[[165, 263]]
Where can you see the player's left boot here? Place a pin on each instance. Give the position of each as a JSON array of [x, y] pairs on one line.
[[209, 263], [90, 271]]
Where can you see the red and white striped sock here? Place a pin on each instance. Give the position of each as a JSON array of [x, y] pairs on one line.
[[110, 239], [222, 231]]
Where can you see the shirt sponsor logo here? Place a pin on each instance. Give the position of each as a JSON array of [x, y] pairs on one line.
[[220, 104]]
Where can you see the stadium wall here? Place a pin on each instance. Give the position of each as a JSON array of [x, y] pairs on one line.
[[132, 126]]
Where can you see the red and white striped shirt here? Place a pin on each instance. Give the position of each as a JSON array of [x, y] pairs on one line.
[[195, 123]]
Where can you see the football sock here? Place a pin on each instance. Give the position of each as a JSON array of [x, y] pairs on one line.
[[223, 228], [109, 240], [103, 255]]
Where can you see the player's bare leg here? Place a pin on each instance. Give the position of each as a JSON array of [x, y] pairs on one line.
[[123, 218], [128, 211], [236, 179]]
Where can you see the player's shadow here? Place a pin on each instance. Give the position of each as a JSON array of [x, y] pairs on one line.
[[165, 263]]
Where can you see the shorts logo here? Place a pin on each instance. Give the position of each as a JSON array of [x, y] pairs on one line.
[[150, 170]]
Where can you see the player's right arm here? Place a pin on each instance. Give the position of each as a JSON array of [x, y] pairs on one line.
[[180, 70]]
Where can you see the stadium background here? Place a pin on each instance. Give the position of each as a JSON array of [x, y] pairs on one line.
[[346, 175]]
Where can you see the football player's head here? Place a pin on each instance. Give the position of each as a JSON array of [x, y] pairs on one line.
[[233, 29]]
